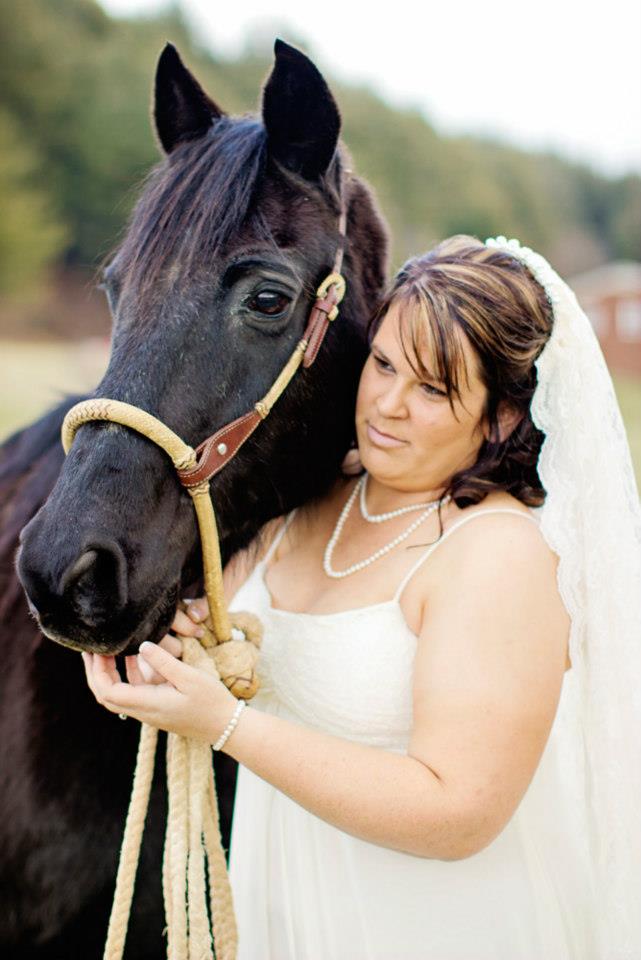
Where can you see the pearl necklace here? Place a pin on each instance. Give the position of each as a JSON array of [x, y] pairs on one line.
[[340, 523], [381, 517]]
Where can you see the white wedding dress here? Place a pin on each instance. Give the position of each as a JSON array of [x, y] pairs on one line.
[[305, 890]]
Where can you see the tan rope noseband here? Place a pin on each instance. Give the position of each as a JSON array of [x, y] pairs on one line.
[[193, 838]]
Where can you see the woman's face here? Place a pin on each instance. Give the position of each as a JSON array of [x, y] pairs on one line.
[[408, 435]]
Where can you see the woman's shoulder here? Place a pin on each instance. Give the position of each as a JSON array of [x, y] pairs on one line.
[[496, 500], [499, 511], [495, 555], [489, 533], [498, 546], [500, 520]]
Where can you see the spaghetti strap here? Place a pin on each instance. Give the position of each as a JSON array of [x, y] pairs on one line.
[[430, 550], [273, 547]]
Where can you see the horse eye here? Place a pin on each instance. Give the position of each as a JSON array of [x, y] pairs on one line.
[[269, 303], [107, 280]]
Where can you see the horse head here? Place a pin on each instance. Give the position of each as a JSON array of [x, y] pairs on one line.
[[209, 291]]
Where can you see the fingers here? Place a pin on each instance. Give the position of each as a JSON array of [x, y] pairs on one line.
[[135, 674], [99, 669], [198, 610], [105, 677], [135, 698], [152, 669], [102, 675], [188, 621], [146, 672], [186, 625], [165, 664], [104, 665], [173, 645], [87, 663], [105, 683]]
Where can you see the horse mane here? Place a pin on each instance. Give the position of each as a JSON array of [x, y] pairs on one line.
[[192, 200]]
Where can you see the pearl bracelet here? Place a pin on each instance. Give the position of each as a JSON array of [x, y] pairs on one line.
[[231, 726]]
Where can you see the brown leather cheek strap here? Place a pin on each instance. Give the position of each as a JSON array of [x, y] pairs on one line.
[[322, 313], [217, 450]]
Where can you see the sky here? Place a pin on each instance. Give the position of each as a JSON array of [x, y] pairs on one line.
[[552, 74]]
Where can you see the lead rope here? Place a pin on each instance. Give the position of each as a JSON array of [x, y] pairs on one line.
[[194, 855], [194, 859]]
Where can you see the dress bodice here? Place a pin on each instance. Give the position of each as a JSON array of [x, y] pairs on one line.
[[348, 673]]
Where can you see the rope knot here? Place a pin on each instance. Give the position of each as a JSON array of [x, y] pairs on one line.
[[234, 660]]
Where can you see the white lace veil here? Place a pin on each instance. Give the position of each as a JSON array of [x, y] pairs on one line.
[[592, 520]]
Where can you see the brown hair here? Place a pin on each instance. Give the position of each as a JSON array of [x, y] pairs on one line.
[[489, 295]]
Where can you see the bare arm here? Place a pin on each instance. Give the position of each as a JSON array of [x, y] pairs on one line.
[[385, 798], [489, 670]]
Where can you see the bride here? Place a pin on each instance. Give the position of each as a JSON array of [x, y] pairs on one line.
[[436, 765]]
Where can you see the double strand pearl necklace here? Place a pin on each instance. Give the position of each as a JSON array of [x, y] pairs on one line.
[[381, 517], [340, 523]]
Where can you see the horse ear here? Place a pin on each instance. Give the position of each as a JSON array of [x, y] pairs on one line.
[[182, 109], [300, 114]]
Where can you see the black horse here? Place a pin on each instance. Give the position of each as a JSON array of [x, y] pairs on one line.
[[209, 291]]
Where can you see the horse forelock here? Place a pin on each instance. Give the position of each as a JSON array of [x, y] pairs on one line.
[[204, 192], [191, 203]]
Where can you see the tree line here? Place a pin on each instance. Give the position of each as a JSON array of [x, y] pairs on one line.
[[74, 120]]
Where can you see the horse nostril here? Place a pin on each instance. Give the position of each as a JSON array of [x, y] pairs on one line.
[[81, 565], [96, 582]]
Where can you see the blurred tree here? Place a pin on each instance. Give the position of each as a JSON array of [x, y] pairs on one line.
[[75, 87], [31, 234]]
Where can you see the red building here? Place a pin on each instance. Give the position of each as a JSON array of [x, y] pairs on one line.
[[611, 297]]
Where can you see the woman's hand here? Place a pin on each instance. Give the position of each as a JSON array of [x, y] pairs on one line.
[[187, 622], [161, 690]]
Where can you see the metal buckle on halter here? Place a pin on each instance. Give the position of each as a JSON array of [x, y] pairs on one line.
[[333, 280]]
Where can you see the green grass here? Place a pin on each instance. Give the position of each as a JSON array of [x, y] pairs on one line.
[[34, 376]]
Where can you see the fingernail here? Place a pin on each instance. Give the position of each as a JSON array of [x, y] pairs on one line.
[[200, 632], [146, 670], [195, 614], [144, 647]]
